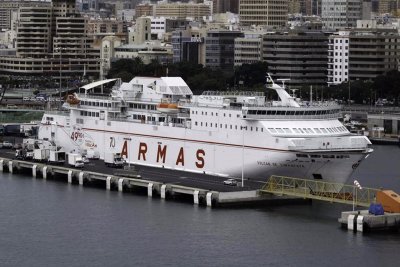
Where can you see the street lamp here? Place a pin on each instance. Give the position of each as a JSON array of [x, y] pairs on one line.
[[356, 185]]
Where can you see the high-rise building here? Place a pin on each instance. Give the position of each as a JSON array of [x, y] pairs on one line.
[[54, 41], [388, 6], [362, 53], [301, 56], [220, 48], [187, 45], [222, 6], [8, 7], [338, 14], [182, 10], [248, 49], [272, 13]]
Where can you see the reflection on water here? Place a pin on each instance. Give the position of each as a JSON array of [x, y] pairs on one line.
[[46, 223]]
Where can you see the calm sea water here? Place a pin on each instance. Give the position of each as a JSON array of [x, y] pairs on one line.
[[47, 223]]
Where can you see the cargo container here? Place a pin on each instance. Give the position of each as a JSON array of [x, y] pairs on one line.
[[57, 157], [75, 160], [41, 154]]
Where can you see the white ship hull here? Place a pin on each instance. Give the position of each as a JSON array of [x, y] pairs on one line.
[[199, 151], [218, 133]]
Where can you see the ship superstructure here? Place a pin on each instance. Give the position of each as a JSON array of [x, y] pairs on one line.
[[159, 122]]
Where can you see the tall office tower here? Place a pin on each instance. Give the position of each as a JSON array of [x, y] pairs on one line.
[[294, 7], [388, 6], [271, 13], [52, 40], [222, 6], [338, 14], [366, 9], [310, 7], [34, 42], [9, 7]]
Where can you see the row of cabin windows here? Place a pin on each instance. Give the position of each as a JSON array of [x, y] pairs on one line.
[[322, 156], [292, 112], [212, 113], [142, 106], [96, 104], [228, 126], [308, 130], [276, 130], [149, 118], [90, 114]]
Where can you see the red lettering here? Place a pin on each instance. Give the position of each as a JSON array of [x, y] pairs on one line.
[[161, 153], [181, 158], [124, 151], [142, 151], [199, 155]]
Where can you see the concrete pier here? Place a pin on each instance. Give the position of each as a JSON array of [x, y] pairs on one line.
[[198, 196], [363, 221]]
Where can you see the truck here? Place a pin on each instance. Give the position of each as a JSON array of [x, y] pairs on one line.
[[23, 154], [57, 157], [75, 160], [92, 154], [41, 154], [112, 159]]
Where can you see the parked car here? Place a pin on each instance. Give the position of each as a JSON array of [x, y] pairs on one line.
[[11, 106], [7, 144], [230, 182], [85, 159]]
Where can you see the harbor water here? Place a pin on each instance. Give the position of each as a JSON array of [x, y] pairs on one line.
[[49, 223]]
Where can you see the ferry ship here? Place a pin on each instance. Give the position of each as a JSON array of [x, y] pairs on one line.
[[159, 122]]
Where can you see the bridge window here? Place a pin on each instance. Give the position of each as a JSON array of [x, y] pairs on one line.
[[317, 130], [287, 130], [272, 130]]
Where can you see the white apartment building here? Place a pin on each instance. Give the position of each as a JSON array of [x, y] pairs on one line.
[[339, 14], [338, 57], [158, 26]]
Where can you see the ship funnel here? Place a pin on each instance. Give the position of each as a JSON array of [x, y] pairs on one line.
[[286, 99]]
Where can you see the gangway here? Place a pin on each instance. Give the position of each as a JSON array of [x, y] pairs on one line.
[[319, 190]]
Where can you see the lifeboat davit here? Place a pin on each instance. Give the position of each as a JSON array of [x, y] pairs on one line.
[[167, 108], [72, 100]]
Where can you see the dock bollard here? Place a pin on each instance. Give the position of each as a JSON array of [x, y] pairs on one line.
[[150, 190], [34, 168], [10, 166], [196, 197], [44, 172], [1, 165], [209, 199], [81, 178], [108, 183], [120, 184], [163, 189], [70, 176]]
